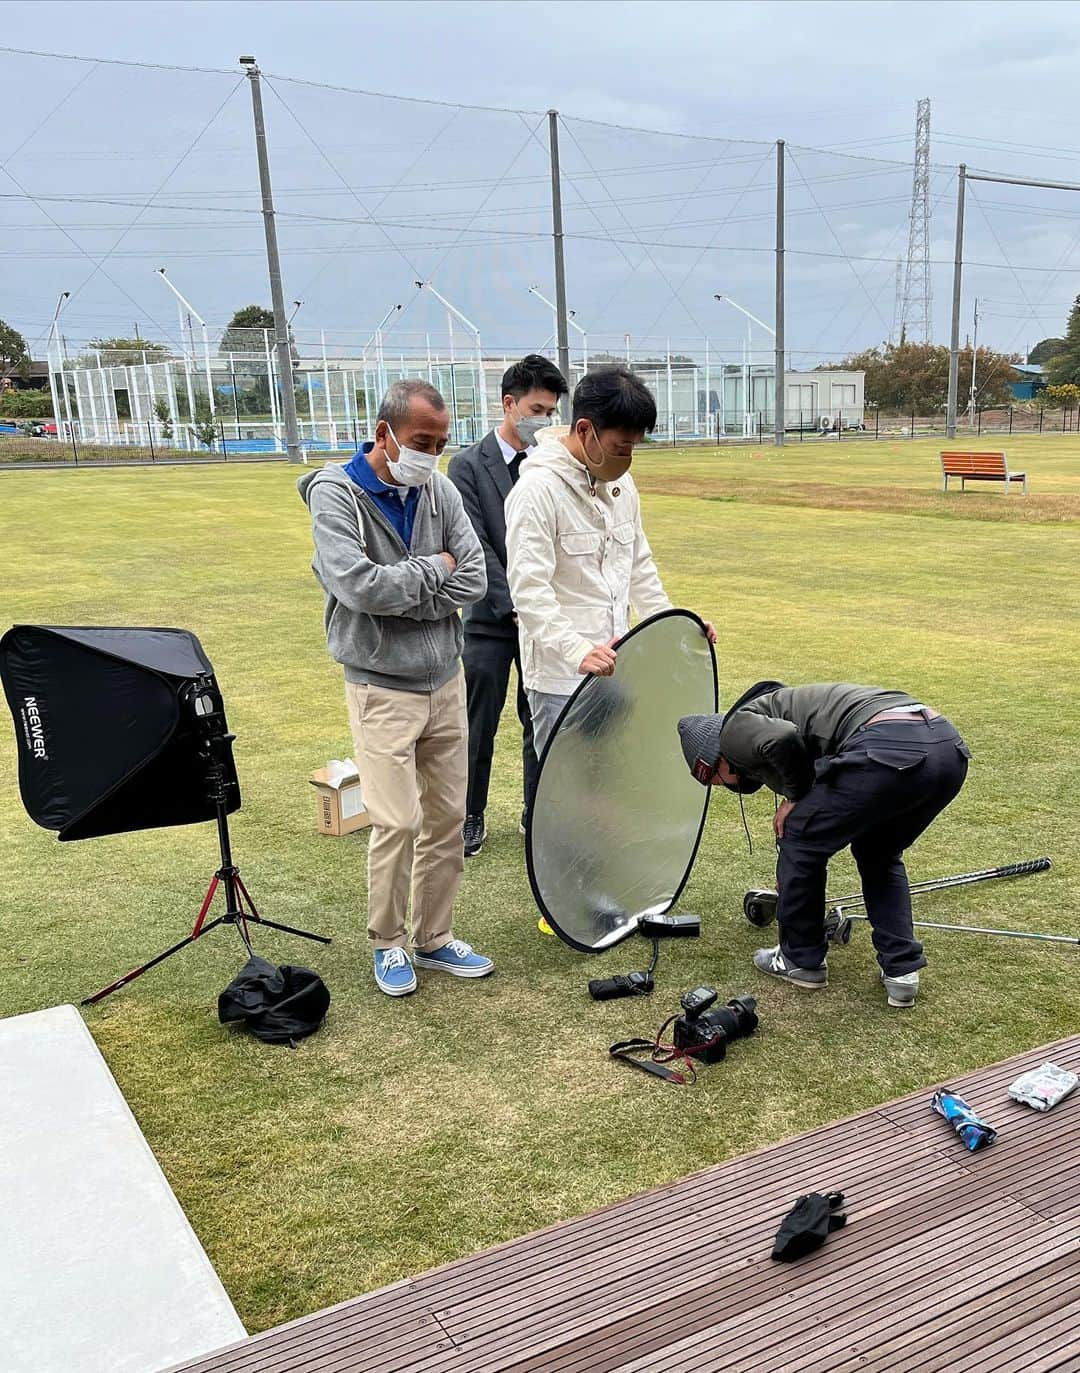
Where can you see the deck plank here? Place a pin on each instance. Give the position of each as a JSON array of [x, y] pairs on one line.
[[946, 1253]]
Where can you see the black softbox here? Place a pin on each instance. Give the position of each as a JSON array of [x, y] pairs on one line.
[[109, 728], [125, 729]]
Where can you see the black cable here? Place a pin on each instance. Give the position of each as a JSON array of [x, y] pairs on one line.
[[746, 827]]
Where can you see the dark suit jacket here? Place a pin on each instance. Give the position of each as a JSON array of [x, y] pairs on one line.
[[480, 473]]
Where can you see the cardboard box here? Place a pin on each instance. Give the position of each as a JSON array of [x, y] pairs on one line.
[[340, 807]]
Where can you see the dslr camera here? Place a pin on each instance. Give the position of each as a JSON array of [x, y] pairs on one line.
[[705, 1029]]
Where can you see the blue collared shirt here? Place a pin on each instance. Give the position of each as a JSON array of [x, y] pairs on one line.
[[400, 513]]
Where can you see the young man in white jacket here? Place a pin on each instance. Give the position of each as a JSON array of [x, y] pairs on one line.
[[578, 561]]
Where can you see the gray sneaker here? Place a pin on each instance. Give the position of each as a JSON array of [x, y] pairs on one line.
[[773, 962], [901, 990]]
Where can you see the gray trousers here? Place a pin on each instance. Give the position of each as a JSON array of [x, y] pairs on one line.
[[545, 708]]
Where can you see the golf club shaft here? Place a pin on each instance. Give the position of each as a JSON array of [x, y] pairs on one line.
[[979, 929], [962, 879]]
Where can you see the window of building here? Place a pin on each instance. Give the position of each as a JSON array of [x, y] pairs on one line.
[[800, 399], [843, 395]]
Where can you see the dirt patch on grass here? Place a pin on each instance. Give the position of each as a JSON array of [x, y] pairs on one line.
[[898, 500]]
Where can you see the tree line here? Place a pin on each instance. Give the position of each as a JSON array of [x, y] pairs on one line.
[[908, 376]]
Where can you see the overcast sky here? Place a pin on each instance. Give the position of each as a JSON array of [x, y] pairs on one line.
[[156, 168]]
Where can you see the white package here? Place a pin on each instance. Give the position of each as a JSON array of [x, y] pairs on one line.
[[1043, 1087]]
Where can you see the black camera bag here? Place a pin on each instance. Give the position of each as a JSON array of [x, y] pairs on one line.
[[278, 1005]]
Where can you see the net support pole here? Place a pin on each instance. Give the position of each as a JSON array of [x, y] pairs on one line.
[[562, 327], [273, 265], [954, 337], [780, 378]]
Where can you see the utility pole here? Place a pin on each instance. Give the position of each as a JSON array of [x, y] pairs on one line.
[[273, 264], [562, 329], [954, 337], [779, 376]]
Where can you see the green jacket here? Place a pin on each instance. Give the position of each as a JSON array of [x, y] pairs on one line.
[[780, 736]]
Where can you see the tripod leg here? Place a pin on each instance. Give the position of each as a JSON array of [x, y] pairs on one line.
[[138, 972], [205, 905], [256, 918], [289, 929]]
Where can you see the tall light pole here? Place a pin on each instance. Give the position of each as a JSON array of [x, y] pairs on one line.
[[376, 339], [184, 304], [535, 291], [561, 319], [779, 374], [55, 336], [748, 423], [480, 382], [974, 354], [273, 266]]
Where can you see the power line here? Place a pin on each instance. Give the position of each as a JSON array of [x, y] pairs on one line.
[[168, 177], [832, 231], [660, 271], [117, 62]]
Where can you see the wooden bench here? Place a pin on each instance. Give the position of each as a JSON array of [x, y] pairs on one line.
[[979, 467]]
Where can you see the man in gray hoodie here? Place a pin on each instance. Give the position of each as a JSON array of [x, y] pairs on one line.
[[398, 557]]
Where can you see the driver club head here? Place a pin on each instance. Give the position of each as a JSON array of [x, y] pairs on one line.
[[759, 906]]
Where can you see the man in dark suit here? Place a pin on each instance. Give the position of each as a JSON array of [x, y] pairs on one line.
[[484, 474]]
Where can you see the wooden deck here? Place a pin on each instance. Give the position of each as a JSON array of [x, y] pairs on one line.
[[949, 1260]]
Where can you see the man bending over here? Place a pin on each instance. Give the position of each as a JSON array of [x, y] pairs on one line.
[[855, 765]]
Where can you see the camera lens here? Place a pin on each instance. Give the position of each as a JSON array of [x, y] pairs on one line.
[[738, 1018]]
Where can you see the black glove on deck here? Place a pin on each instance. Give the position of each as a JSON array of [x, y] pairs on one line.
[[808, 1225]]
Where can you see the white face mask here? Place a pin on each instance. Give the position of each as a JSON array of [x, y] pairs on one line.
[[529, 426], [410, 467]]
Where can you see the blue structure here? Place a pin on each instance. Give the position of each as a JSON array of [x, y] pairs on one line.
[[1029, 383]]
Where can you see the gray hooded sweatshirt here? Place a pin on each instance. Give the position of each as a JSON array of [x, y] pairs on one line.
[[392, 612]]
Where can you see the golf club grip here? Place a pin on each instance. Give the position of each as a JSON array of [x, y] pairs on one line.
[[1022, 869]]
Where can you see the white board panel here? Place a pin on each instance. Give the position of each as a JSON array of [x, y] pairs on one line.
[[99, 1267]]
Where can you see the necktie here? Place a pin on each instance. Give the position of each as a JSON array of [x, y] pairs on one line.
[[515, 466]]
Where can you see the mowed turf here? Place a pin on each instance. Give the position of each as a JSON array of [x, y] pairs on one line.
[[410, 1132]]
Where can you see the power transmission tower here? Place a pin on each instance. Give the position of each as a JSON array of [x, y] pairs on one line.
[[896, 331], [915, 315]]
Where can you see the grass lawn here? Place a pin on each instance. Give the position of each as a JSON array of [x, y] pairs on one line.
[[408, 1133]]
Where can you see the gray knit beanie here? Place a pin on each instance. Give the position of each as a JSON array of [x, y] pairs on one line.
[[700, 739]]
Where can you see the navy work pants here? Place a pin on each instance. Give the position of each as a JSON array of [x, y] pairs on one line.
[[878, 794]]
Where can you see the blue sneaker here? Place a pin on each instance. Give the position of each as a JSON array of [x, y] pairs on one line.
[[394, 973], [458, 958]]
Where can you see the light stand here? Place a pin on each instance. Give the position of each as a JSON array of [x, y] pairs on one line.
[[214, 748]]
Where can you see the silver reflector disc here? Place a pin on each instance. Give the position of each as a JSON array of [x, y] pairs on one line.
[[617, 818]]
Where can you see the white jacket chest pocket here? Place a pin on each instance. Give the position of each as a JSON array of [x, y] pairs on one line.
[[620, 553], [582, 556]]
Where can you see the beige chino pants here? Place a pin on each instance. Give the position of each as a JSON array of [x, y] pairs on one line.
[[413, 757]]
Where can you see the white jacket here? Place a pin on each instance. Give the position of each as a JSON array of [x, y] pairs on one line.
[[577, 562]]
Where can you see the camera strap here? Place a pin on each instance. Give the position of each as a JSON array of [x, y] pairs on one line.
[[628, 1050]]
